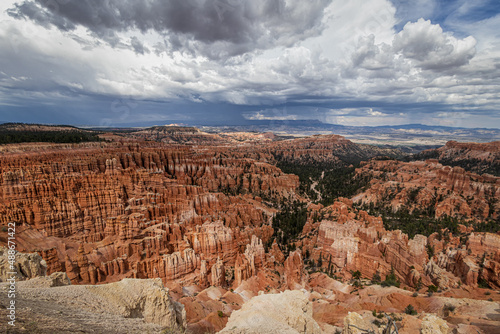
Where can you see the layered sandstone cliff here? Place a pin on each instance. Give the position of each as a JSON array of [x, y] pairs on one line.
[[102, 212], [25, 266], [350, 240], [199, 217], [431, 187], [476, 157], [333, 149]]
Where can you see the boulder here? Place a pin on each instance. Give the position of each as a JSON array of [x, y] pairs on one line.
[[289, 312]]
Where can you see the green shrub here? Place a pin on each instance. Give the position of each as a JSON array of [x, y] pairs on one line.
[[391, 279], [483, 284], [430, 251], [432, 288], [449, 307], [356, 274], [289, 221], [419, 284], [410, 310]]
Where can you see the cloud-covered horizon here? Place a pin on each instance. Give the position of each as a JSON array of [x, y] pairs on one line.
[[119, 62]]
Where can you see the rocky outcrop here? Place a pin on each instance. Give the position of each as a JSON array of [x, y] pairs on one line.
[[440, 277], [255, 254], [103, 212], [325, 148], [294, 267], [479, 259], [350, 241], [428, 185], [289, 312], [355, 324], [403, 254], [51, 258], [214, 240], [121, 307], [247, 264], [242, 270], [172, 134], [203, 280], [460, 264], [129, 298], [480, 243], [25, 265], [148, 299], [476, 157], [340, 241], [491, 270], [198, 216], [432, 324], [276, 256], [53, 280], [218, 274]]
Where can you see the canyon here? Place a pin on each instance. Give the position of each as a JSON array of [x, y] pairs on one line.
[[196, 212], [429, 185], [476, 157]]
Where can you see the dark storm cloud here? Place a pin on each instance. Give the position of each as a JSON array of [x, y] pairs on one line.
[[237, 26], [138, 46], [42, 16], [321, 63]]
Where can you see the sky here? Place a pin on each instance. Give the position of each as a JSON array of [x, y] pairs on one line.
[[145, 62]]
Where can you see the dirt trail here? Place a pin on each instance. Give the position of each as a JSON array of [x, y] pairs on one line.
[[315, 183]]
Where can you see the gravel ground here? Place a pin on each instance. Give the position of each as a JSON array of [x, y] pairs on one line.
[[65, 310]]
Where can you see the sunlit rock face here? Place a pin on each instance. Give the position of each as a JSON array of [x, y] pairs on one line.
[[105, 211]]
